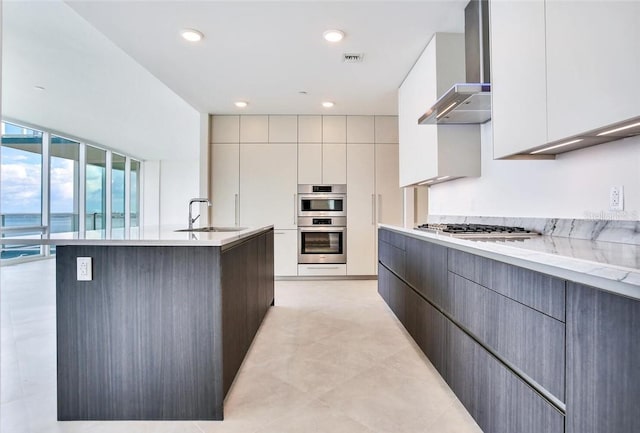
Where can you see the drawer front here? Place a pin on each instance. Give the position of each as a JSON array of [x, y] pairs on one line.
[[392, 257], [531, 341], [393, 238], [497, 399], [427, 270], [538, 291]]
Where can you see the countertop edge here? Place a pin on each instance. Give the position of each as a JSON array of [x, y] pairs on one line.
[[196, 241], [603, 276]]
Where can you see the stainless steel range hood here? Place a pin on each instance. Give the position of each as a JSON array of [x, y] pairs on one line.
[[470, 102]]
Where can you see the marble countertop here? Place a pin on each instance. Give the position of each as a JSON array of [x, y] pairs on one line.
[[613, 267], [143, 236]]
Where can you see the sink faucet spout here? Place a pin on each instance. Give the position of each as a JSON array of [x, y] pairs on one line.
[[191, 202]]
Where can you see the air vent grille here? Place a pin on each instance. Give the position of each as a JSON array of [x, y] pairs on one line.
[[352, 57]]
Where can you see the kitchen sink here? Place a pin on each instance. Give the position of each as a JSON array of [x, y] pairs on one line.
[[213, 229]]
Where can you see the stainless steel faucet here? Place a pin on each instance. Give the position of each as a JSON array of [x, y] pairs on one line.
[[191, 202]]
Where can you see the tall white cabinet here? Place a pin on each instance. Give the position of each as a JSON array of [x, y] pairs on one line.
[[258, 161]]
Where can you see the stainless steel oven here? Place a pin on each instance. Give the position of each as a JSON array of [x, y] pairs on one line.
[[322, 240], [322, 200]]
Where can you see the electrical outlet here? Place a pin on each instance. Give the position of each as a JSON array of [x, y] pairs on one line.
[[616, 198], [84, 269]]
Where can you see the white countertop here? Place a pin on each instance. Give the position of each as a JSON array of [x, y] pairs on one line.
[[613, 267], [144, 236]]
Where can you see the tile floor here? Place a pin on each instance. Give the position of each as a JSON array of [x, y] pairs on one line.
[[330, 357]]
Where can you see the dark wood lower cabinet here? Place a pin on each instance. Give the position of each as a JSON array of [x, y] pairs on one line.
[[498, 400], [603, 361], [160, 332]]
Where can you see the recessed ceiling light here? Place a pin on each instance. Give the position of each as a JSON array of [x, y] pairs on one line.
[[333, 35], [40, 88], [303, 92], [241, 104], [327, 104], [191, 35]]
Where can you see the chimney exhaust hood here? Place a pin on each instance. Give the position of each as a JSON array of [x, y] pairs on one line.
[[470, 102]]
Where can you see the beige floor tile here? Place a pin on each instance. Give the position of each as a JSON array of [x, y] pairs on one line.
[[330, 357]]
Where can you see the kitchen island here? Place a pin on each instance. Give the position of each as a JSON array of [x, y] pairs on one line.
[[162, 327], [539, 335]]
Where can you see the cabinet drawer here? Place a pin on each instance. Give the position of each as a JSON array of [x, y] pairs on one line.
[[395, 239], [427, 270], [531, 341], [497, 399], [538, 291], [392, 257]]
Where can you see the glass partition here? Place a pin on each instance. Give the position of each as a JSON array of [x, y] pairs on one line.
[[117, 191], [134, 210], [20, 187]]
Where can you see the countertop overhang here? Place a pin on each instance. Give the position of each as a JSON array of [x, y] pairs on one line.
[[609, 266], [143, 236]]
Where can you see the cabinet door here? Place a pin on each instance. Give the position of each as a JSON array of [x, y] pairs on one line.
[[225, 183], [225, 129], [603, 367], [285, 253], [334, 129], [310, 163], [386, 129], [360, 129], [334, 163], [518, 63], [389, 197], [593, 64], [283, 129], [268, 185], [254, 129], [361, 226]]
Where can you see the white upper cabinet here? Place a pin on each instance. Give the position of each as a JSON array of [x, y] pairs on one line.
[[283, 129], [386, 129], [225, 129], [593, 64], [334, 163], [310, 163], [519, 86], [360, 129], [436, 152], [561, 68], [334, 129], [254, 129], [309, 129]]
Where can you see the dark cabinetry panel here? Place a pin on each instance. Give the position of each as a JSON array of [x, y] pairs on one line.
[[498, 400], [391, 251], [531, 341], [603, 361], [142, 340], [539, 291], [427, 270]]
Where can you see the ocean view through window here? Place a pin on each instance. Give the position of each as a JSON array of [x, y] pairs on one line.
[[28, 209]]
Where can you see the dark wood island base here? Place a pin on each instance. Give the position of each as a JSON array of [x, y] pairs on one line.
[[161, 331]]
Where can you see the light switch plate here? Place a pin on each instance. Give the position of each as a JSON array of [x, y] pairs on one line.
[[84, 269]]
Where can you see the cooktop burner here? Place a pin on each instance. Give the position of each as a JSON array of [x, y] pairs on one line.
[[471, 231]]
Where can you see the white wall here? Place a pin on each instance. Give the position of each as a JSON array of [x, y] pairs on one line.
[[575, 185], [179, 183]]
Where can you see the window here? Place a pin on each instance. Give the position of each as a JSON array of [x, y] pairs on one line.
[[78, 197], [64, 182], [135, 194], [95, 189], [118, 164], [20, 186]]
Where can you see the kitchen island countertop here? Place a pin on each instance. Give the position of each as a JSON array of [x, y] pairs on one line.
[[613, 267], [143, 236]]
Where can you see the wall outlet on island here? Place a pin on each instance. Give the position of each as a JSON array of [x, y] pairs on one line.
[[616, 198], [84, 269]]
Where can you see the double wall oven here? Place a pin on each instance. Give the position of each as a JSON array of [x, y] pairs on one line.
[[322, 224]]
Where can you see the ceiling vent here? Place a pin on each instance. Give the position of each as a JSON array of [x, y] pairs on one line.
[[352, 57]]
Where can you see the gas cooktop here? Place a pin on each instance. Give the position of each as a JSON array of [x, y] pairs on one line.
[[478, 231]]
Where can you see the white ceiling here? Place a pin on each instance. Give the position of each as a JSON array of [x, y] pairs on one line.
[[117, 72], [265, 52]]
